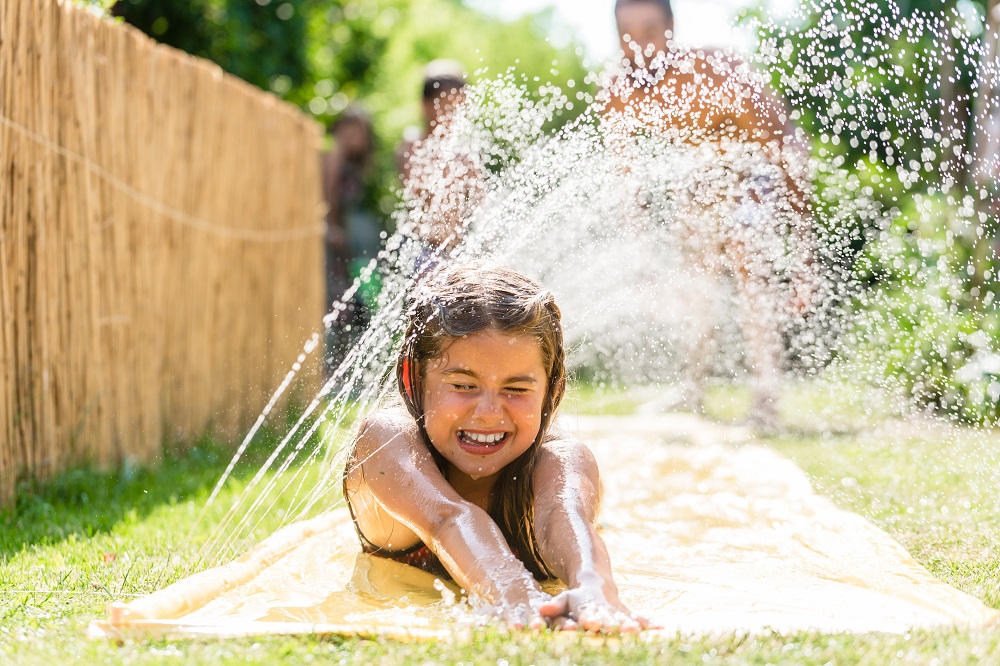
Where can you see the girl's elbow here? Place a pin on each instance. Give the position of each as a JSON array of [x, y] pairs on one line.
[[449, 518]]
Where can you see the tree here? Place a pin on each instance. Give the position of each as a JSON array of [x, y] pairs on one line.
[[886, 87], [323, 54], [256, 41], [985, 147], [890, 64]]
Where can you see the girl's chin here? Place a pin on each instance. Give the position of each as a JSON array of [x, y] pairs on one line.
[[477, 466], [477, 473]]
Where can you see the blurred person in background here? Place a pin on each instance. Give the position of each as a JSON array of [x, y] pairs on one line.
[[441, 178], [694, 97], [352, 232]]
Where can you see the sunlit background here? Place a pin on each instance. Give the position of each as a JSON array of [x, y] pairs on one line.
[[702, 23]]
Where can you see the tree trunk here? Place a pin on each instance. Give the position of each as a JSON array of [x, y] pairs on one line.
[[985, 145], [954, 108]]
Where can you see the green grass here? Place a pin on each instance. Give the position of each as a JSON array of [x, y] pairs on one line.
[[936, 494], [601, 398], [88, 537]]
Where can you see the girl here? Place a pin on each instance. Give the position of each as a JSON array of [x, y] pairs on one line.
[[468, 479]]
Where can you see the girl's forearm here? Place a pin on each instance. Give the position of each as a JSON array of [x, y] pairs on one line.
[[566, 505], [576, 553], [475, 552]]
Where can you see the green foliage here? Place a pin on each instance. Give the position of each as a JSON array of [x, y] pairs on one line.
[[374, 52], [884, 87], [887, 90], [257, 41], [324, 54], [869, 78], [103, 6], [917, 328]]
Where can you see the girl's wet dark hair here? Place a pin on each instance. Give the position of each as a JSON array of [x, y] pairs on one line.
[[662, 4], [469, 298]]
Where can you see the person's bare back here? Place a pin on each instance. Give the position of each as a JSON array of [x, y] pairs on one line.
[[699, 96]]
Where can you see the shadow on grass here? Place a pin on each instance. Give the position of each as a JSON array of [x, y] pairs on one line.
[[86, 502]]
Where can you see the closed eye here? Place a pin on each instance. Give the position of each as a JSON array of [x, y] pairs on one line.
[[516, 389], [462, 387]]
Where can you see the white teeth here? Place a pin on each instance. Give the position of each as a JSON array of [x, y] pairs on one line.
[[483, 439]]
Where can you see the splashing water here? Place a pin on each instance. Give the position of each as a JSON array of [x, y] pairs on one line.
[[905, 106], [676, 254]]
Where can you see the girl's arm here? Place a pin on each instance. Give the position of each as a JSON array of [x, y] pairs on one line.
[[567, 499], [392, 466]]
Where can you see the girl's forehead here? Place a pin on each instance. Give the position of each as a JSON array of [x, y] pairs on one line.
[[492, 334], [490, 346]]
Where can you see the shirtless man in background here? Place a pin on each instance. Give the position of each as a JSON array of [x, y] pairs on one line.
[[705, 96], [440, 177]]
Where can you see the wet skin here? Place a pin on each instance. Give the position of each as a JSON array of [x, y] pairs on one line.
[[491, 385], [703, 96], [487, 386], [699, 95], [698, 86], [443, 189]]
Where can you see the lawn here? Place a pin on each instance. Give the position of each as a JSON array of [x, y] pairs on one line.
[[86, 538]]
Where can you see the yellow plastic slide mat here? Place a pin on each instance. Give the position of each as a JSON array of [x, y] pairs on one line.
[[709, 535]]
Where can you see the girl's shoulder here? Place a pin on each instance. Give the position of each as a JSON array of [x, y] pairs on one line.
[[567, 454], [389, 452], [393, 415], [387, 425]]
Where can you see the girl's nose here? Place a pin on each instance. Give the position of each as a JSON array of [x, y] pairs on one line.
[[488, 405]]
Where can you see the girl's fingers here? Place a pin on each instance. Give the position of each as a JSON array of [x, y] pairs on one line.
[[610, 620], [523, 617], [630, 625], [565, 611], [564, 624], [515, 623], [537, 623], [557, 606], [595, 618]]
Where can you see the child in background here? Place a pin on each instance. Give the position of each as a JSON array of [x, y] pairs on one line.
[[469, 478], [352, 231], [441, 177], [345, 168]]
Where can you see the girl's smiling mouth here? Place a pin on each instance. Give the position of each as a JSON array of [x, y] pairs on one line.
[[482, 443]]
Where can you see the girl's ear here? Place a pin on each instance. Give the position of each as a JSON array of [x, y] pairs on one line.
[[407, 384]]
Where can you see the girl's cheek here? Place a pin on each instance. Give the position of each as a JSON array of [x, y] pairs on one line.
[[528, 405]]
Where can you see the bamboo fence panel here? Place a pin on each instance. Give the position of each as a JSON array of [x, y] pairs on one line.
[[160, 243]]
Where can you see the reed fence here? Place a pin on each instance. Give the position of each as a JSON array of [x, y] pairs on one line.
[[160, 243]]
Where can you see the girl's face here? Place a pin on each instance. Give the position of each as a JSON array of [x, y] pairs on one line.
[[483, 400]]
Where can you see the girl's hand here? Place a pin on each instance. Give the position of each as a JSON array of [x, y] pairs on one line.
[[523, 612], [589, 609], [523, 616]]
